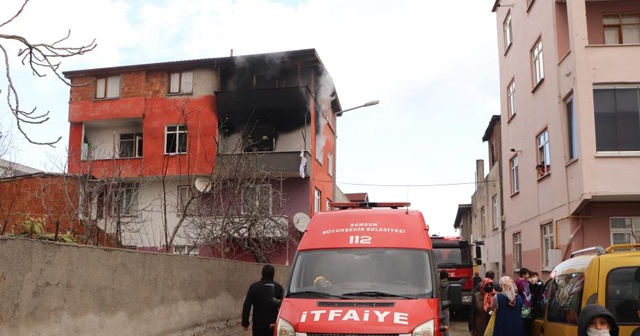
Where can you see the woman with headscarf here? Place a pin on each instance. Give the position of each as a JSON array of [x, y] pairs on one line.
[[507, 305], [480, 307]]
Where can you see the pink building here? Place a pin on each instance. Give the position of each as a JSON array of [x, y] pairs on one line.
[[570, 92]]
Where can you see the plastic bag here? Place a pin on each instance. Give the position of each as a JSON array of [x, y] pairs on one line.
[[526, 312], [492, 322]]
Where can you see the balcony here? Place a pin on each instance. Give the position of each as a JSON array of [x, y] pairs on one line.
[[276, 164]]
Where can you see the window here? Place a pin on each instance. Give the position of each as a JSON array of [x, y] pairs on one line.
[[515, 184], [617, 117], [186, 250], [483, 229], [572, 129], [256, 199], [623, 293], [328, 207], [130, 145], [496, 214], [511, 98], [108, 87], [547, 244], [181, 82], [176, 139], [565, 298], [625, 230], [330, 164], [544, 155], [317, 196], [517, 251], [621, 28], [507, 32], [125, 200], [537, 63]]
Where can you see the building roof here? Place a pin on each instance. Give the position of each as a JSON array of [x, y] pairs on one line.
[[11, 169], [487, 133], [462, 209]]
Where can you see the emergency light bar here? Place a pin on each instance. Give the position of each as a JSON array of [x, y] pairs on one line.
[[368, 205]]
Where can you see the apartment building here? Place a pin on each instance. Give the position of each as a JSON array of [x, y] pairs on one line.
[[213, 156], [570, 87]]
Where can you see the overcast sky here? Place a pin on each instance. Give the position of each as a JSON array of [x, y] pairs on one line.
[[431, 64]]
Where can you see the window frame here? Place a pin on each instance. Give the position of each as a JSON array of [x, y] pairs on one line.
[[330, 164], [517, 250], [188, 249], [543, 157], [495, 215], [317, 196], [483, 221], [547, 244], [511, 99], [178, 131], [259, 198], [619, 26], [632, 231], [507, 32], [537, 63], [129, 193], [514, 164], [180, 82], [137, 141], [602, 124], [572, 128], [103, 84]]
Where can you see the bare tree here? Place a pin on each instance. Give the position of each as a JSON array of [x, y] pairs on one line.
[[40, 58]]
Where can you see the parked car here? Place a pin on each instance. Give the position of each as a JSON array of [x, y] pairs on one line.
[[609, 277]]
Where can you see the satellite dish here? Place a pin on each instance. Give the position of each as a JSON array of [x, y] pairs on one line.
[[301, 221], [202, 184]]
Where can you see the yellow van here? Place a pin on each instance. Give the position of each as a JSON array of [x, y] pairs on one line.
[[609, 277]]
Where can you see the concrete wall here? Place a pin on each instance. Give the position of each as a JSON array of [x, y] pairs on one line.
[[58, 289]]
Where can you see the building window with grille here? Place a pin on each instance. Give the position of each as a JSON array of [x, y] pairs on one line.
[[617, 117], [625, 230], [107, 88], [507, 32], [621, 28], [176, 139], [537, 63], [130, 145], [544, 154], [511, 98], [572, 129], [547, 244], [515, 178], [517, 251], [181, 82]]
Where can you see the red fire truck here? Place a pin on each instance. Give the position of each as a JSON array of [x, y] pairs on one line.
[[454, 255]]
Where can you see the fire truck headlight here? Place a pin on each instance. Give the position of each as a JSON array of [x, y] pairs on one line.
[[284, 328], [425, 329]]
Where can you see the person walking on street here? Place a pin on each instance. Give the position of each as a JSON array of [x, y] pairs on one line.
[[491, 275], [264, 296], [537, 286], [524, 291], [595, 320], [508, 307], [444, 295], [480, 307]]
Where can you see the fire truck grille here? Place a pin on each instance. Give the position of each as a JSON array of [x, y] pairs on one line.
[[314, 334]]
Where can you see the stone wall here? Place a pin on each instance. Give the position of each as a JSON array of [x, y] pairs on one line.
[[53, 289]]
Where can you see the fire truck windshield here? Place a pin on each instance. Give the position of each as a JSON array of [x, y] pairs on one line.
[[358, 273], [452, 257]]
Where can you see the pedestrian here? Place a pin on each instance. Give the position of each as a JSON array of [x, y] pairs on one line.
[[537, 287], [507, 305], [524, 291], [491, 275], [264, 296], [480, 307], [476, 279], [595, 319], [444, 295]]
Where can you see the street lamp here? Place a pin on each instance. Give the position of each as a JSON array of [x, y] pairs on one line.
[[369, 103]]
